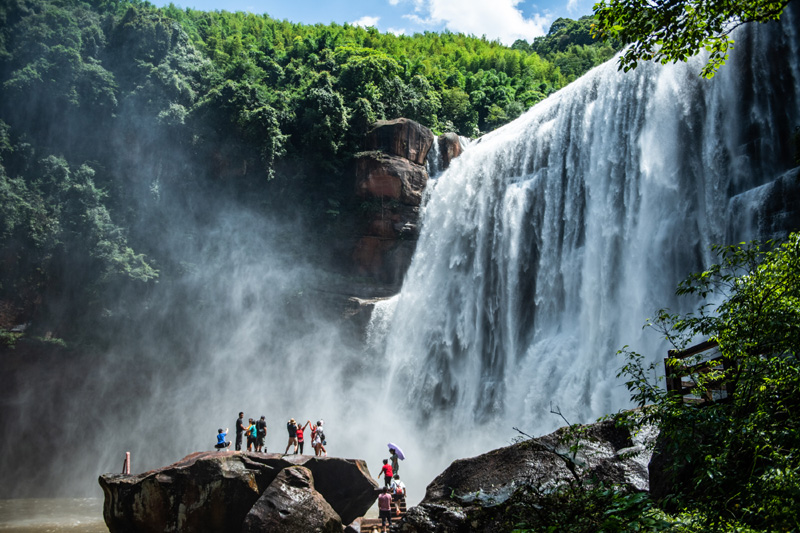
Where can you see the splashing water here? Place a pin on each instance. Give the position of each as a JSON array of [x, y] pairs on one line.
[[544, 248], [548, 243]]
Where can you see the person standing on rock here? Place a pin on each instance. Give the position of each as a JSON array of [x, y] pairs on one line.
[[261, 434], [291, 427], [318, 440], [386, 470], [301, 436], [239, 431], [385, 507], [251, 435]]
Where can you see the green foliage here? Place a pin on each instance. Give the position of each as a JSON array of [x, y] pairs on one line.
[[735, 460], [112, 109], [590, 509], [675, 31]]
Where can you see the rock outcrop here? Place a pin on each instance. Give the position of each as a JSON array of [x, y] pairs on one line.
[[471, 493], [390, 181], [215, 491], [401, 137], [449, 148], [291, 503]]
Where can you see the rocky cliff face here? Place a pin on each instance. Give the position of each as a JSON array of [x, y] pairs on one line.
[[237, 491], [390, 181]]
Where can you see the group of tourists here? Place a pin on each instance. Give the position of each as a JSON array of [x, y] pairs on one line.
[[393, 495], [256, 433], [297, 437]]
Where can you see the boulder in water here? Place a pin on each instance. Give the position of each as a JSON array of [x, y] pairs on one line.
[[449, 148]]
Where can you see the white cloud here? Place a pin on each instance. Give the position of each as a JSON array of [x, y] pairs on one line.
[[416, 19], [366, 21], [397, 31], [572, 6], [496, 19]]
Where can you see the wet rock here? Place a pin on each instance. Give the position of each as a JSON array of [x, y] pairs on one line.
[[471, 493], [291, 504], [449, 148]]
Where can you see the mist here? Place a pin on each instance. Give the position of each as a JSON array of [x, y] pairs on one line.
[[543, 250]]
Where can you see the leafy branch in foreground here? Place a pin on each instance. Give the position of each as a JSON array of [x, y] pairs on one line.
[[734, 461], [675, 30]]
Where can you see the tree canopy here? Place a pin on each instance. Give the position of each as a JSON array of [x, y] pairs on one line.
[[676, 30], [111, 110]]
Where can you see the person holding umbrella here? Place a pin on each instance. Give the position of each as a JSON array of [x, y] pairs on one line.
[[395, 453]]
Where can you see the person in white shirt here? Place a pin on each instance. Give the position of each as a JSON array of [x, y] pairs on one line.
[[398, 490]]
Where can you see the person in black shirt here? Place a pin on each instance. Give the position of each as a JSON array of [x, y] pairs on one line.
[[291, 427], [261, 435], [239, 430]]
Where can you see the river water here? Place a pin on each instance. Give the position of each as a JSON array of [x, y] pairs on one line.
[[52, 515]]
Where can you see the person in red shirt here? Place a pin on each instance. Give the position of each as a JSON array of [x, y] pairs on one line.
[[386, 470], [301, 436], [385, 505]]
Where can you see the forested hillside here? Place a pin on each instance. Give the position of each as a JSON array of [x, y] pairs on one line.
[[117, 118]]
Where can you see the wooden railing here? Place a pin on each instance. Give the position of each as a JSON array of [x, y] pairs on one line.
[[682, 378]]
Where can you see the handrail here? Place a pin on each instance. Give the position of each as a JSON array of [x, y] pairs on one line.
[[719, 390]]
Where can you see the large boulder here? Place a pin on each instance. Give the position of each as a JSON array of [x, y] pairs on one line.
[[390, 177], [291, 505], [471, 493], [401, 137], [214, 491], [450, 147]]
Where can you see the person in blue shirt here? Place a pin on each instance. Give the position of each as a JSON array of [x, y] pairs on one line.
[[221, 442]]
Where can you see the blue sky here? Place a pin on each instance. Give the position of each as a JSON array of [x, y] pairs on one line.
[[506, 20]]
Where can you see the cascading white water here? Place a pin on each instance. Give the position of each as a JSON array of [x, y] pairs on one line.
[[544, 248], [547, 244]]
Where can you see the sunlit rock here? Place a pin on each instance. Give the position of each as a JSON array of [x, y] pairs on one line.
[[390, 178], [401, 137]]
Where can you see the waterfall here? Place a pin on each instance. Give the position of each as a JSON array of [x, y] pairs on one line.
[[544, 247], [547, 244]]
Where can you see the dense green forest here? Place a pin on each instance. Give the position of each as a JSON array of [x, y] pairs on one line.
[[117, 117]]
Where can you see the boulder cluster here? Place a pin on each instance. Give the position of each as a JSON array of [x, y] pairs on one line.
[[240, 492], [249, 493]]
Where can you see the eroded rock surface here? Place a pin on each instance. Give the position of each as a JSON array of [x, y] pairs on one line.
[[291, 504], [214, 491], [402, 137]]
